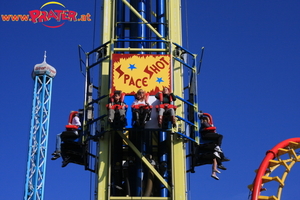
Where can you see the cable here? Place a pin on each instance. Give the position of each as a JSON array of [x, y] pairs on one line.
[[186, 26], [93, 45], [91, 176], [94, 31], [94, 34]]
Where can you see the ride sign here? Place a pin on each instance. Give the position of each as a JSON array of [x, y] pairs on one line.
[[149, 72]]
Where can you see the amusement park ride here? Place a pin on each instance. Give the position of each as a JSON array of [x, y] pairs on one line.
[[141, 49], [43, 75], [281, 158]]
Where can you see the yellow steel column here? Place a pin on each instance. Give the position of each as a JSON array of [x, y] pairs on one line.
[[177, 144], [103, 154], [178, 151]]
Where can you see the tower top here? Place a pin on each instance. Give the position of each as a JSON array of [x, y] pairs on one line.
[[44, 68]]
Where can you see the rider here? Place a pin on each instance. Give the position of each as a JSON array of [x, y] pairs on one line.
[[141, 108], [116, 105], [166, 97]]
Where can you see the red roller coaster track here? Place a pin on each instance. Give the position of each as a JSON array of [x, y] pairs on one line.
[[270, 155]]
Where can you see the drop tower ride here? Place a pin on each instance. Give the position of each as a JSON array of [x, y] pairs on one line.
[[141, 49]]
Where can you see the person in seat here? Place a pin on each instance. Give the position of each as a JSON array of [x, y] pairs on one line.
[[74, 125], [166, 98], [115, 105], [217, 163], [208, 132], [206, 154], [140, 108]]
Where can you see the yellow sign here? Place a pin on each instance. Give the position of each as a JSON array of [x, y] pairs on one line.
[[131, 72]]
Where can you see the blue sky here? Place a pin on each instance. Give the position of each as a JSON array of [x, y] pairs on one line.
[[249, 82]]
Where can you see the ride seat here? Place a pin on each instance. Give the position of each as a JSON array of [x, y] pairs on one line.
[[117, 106], [143, 106], [71, 116], [165, 105], [212, 128]]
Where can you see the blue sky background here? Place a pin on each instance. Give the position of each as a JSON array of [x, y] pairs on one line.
[[249, 82]]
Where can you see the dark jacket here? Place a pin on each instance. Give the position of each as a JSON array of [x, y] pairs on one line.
[[166, 97]]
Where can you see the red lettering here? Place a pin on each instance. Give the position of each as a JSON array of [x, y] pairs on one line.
[[88, 15], [64, 15], [131, 81], [43, 16], [144, 81], [126, 77], [51, 14], [82, 18], [40, 68], [24, 17], [137, 84], [58, 14], [148, 71], [5, 17], [160, 65], [163, 59], [72, 16], [34, 14], [14, 18], [155, 69]]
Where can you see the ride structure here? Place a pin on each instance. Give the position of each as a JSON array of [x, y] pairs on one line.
[[281, 158], [141, 49], [43, 75]]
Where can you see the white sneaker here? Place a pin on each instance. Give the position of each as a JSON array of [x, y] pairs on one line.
[[215, 177], [218, 149], [217, 154]]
